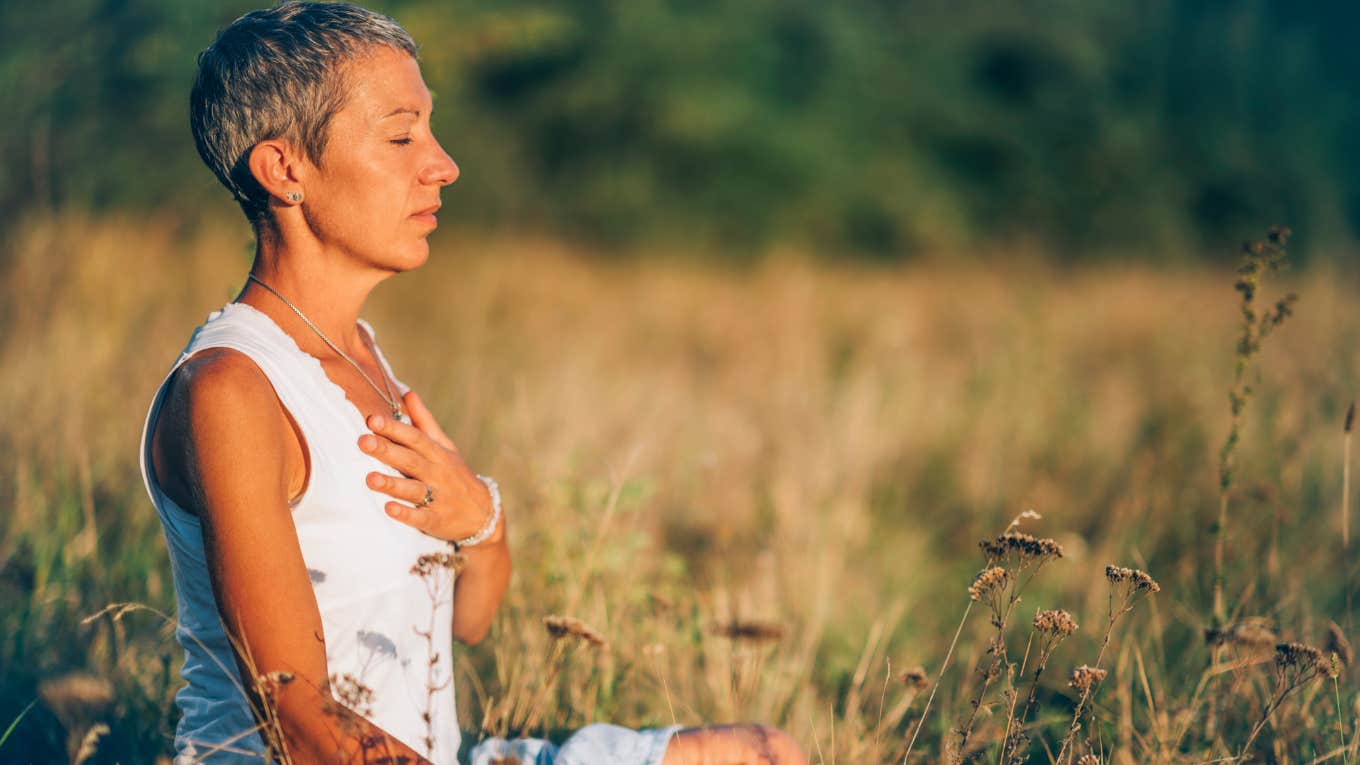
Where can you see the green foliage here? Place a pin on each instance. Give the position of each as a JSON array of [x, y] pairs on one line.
[[880, 128]]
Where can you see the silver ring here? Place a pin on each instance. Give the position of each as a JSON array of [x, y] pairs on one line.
[[429, 497]]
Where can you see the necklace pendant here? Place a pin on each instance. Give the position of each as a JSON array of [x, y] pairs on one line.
[[397, 414]]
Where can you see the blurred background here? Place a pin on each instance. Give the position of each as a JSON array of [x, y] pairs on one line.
[[762, 314], [1081, 128]]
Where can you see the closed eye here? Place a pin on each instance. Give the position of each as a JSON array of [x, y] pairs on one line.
[[401, 141]]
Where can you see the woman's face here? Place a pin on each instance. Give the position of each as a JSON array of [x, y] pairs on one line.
[[377, 189]]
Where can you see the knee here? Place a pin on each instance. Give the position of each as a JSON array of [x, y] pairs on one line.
[[744, 743], [782, 749]]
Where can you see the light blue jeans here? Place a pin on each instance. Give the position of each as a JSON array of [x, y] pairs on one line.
[[597, 744]]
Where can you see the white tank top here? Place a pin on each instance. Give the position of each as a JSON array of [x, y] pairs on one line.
[[359, 561]]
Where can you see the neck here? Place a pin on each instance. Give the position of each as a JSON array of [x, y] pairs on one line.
[[327, 287]]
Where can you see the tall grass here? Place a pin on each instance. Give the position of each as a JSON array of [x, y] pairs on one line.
[[760, 489]]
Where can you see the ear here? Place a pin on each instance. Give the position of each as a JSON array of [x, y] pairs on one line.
[[274, 165]]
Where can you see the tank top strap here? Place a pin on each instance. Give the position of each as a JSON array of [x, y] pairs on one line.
[[326, 418], [316, 403]]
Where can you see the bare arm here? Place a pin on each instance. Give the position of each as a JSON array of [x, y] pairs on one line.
[[481, 584], [234, 438]]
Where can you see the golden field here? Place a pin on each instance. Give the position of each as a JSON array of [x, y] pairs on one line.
[[763, 487]]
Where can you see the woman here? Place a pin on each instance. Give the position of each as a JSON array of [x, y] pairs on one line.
[[310, 501]]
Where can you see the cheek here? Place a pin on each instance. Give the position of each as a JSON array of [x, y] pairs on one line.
[[358, 188], [357, 208]]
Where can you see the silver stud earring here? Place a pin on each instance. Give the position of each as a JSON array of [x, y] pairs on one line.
[[294, 196]]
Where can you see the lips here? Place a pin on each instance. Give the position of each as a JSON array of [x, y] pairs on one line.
[[428, 210]]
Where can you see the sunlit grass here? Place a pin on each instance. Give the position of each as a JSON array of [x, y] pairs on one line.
[[685, 450]]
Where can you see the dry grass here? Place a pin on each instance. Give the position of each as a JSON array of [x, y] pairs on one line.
[[801, 453]]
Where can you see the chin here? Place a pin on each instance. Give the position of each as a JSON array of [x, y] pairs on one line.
[[414, 257]]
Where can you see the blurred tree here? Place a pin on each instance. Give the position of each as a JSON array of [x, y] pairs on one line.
[[1091, 126]]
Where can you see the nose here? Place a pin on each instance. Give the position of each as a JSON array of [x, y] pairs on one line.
[[442, 170]]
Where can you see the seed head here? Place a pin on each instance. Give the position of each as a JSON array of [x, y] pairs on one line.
[[562, 626], [352, 692], [1085, 678], [1020, 545], [1140, 580], [1088, 759], [89, 745], [987, 582], [916, 679], [429, 563], [1055, 622], [270, 682], [1294, 654]]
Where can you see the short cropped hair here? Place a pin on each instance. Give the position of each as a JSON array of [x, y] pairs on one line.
[[279, 73]]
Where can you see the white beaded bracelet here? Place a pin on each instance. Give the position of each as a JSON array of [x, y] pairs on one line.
[[490, 526]]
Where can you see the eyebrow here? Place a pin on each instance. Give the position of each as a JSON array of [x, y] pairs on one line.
[[402, 110]]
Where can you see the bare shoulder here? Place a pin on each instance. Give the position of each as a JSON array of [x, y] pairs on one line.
[[220, 413], [224, 386]]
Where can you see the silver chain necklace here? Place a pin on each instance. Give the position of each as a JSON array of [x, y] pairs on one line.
[[392, 401]]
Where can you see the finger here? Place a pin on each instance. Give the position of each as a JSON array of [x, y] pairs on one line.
[[408, 489], [419, 518], [394, 454], [421, 417], [409, 436]]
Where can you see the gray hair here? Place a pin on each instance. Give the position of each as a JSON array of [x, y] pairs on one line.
[[279, 73]]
